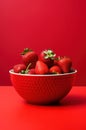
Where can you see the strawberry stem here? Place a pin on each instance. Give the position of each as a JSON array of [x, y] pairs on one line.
[[27, 69]]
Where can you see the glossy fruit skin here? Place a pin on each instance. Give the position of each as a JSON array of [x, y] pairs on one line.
[[49, 60], [55, 70], [32, 71], [41, 68], [65, 64], [30, 57], [56, 62], [19, 67]]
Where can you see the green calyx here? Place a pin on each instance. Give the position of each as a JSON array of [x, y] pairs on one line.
[[27, 69], [49, 54], [58, 58], [25, 51]]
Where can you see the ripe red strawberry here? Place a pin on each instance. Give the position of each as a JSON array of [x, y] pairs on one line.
[[29, 56], [65, 64], [41, 68], [55, 70], [56, 61], [31, 71], [19, 67], [47, 57], [27, 70]]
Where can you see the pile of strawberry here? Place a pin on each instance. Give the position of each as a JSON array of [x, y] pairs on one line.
[[44, 63]]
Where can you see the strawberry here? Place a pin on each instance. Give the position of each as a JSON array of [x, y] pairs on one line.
[[47, 56], [29, 56], [55, 70], [27, 70], [41, 68], [31, 71], [19, 67], [65, 64], [56, 61]]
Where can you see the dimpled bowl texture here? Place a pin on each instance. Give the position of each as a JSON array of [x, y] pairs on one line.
[[42, 89]]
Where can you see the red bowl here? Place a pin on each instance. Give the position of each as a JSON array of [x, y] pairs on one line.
[[42, 89]]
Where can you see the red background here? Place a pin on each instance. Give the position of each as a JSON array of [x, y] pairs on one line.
[[41, 24]]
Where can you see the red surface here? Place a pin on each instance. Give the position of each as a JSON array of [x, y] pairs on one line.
[[41, 24], [15, 114]]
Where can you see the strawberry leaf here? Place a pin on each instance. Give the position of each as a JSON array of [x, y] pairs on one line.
[[49, 54], [25, 51], [22, 72]]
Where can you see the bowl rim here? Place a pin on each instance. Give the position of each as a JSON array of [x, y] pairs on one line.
[[41, 75]]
